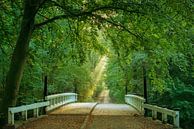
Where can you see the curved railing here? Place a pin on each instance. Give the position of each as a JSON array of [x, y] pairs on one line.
[[52, 102], [58, 100], [24, 110], [165, 112], [136, 101]]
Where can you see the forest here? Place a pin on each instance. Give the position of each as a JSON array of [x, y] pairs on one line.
[[65, 40]]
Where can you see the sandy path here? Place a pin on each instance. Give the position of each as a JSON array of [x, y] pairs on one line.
[[104, 116], [125, 122], [104, 97], [74, 108], [56, 122], [114, 109]]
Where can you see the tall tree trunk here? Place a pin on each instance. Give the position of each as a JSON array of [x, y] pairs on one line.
[[18, 60]]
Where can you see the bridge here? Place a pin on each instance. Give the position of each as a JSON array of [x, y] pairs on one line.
[[64, 112]]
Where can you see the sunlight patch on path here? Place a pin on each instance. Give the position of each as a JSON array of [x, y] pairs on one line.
[[74, 108], [96, 76], [114, 109], [98, 71], [104, 97]]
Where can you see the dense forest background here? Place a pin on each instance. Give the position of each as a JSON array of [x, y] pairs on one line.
[[155, 35]]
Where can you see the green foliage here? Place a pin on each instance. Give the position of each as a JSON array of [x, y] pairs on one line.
[[156, 34], [115, 81], [99, 88], [179, 98]]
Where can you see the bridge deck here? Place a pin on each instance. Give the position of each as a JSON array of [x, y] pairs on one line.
[[94, 116], [100, 109]]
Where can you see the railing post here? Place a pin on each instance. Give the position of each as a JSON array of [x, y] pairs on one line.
[[54, 101], [142, 108], [25, 115], [164, 117], [10, 118], [176, 119], [154, 114], [36, 112]]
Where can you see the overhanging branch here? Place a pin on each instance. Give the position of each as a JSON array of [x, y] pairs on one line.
[[79, 13], [114, 23], [61, 17]]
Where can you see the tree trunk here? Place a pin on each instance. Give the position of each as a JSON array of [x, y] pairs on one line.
[[18, 60]]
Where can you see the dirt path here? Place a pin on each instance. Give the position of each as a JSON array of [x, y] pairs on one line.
[[74, 108], [125, 122], [104, 97], [121, 116], [56, 122], [99, 69], [94, 116], [114, 110]]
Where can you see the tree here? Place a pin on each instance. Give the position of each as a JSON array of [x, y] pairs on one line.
[[20, 53], [31, 8], [121, 15]]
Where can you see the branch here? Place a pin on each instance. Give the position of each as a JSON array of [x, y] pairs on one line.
[[78, 13], [120, 6], [117, 25], [61, 17], [106, 8]]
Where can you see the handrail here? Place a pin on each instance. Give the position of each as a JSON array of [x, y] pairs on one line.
[[58, 100], [135, 101], [165, 112], [138, 103], [53, 101], [24, 110]]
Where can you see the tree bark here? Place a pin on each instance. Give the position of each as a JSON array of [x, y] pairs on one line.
[[18, 60]]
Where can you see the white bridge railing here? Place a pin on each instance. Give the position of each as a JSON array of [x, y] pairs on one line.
[[53, 101], [165, 112], [138, 103], [135, 101], [58, 100], [24, 110]]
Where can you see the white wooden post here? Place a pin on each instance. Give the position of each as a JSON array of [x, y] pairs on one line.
[[61, 99], [25, 114], [10, 118], [176, 119], [142, 108], [164, 118], [76, 97], [154, 114], [36, 112], [58, 100], [54, 101]]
